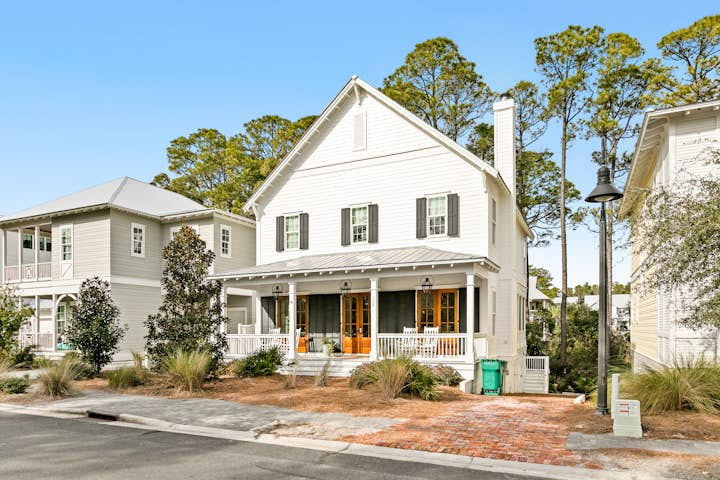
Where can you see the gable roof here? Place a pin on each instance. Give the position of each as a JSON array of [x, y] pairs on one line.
[[353, 86], [376, 259], [655, 127], [536, 294], [124, 193]]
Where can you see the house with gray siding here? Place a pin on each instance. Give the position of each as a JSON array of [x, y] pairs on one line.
[[383, 237], [116, 231]]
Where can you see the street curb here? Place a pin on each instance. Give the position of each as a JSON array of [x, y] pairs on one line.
[[583, 441], [334, 447]]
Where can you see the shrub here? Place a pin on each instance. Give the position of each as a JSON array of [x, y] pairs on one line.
[[56, 379], [686, 385], [23, 358], [262, 363], [14, 385], [187, 369], [391, 375], [84, 370], [321, 379], [362, 375], [290, 379], [422, 382], [447, 375], [123, 378]]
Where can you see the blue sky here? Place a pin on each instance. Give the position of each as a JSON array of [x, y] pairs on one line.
[[90, 91]]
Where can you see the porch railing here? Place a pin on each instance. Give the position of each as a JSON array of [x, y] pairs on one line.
[[29, 272], [242, 345], [443, 346], [39, 341]]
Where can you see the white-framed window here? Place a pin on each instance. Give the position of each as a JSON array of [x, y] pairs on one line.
[[66, 242], [493, 221], [45, 244], [437, 215], [225, 241], [292, 232], [137, 236], [28, 241], [359, 224]]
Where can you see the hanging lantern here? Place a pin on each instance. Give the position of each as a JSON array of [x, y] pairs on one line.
[[277, 291], [427, 285], [345, 288]]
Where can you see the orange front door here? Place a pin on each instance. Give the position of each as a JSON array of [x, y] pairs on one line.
[[356, 323]]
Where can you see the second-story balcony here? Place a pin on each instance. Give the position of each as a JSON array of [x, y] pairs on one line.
[[27, 254]]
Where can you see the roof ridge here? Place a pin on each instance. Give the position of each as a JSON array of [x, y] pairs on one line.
[[117, 190]]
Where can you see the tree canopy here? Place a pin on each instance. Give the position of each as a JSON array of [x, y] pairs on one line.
[[440, 86]]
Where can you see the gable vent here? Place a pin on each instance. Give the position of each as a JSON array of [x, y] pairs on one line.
[[360, 131]]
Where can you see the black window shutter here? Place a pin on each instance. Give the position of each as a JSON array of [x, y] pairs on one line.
[[453, 215], [345, 226], [373, 223], [304, 238], [421, 217], [279, 234]]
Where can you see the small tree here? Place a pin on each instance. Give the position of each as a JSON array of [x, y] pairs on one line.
[[190, 315], [96, 331], [12, 316]]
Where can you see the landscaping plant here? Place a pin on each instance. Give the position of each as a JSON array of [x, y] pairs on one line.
[[126, 377], [187, 369], [447, 375], [261, 363], [688, 384], [56, 378], [14, 385], [190, 315], [321, 379], [394, 376], [13, 314], [290, 379], [96, 331]]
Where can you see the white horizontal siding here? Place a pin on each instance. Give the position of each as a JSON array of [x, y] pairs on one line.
[[693, 138]]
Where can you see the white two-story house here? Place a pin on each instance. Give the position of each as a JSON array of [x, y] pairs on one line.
[[382, 235], [673, 143], [116, 231]]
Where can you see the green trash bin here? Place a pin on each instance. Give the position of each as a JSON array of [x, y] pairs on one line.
[[492, 376]]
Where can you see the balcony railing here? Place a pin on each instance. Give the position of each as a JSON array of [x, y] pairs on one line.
[[28, 273], [36, 340]]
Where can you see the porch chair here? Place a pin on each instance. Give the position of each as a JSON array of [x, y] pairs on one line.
[[409, 342], [428, 347]]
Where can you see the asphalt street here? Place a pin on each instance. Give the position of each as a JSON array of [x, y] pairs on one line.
[[34, 447]]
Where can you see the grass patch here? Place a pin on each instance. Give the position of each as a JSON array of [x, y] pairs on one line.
[[688, 384], [187, 369], [56, 379]]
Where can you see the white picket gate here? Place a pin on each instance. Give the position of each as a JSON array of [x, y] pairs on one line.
[[536, 377]]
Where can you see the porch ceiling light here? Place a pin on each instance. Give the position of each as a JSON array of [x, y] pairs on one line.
[[426, 285], [277, 291], [345, 287]]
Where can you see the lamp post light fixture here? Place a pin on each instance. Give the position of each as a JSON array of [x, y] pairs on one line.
[[345, 288], [604, 191], [277, 291], [426, 285]]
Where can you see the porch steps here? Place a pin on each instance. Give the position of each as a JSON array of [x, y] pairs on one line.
[[339, 366]]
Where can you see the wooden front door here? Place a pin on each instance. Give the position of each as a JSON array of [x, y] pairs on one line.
[[356, 323]]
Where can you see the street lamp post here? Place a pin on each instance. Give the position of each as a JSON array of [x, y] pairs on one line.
[[604, 191]]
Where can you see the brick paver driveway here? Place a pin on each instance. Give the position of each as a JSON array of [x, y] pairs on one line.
[[519, 428]]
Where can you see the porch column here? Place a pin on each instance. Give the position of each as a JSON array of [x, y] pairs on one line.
[[373, 318], [470, 318], [223, 308], [36, 244], [20, 252], [292, 315], [54, 323], [258, 313]]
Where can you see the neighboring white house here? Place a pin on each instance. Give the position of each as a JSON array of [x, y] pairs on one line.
[[372, 207], [619, 311], [116, 231], [538, 300], [672, 142]]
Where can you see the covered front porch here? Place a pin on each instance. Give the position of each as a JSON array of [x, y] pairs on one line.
[[435, 311], [44, 332]]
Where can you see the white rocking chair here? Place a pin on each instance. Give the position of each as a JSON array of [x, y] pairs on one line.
[[428, 347], [409, 342]]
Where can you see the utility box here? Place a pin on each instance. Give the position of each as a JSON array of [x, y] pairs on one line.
[[626, 422], [492, 376]]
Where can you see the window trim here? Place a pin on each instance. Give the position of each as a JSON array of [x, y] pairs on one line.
[[69, 228], [493, 221], [286, 231], [229, 241], [366, 206], [444, 196], [142, 242]]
